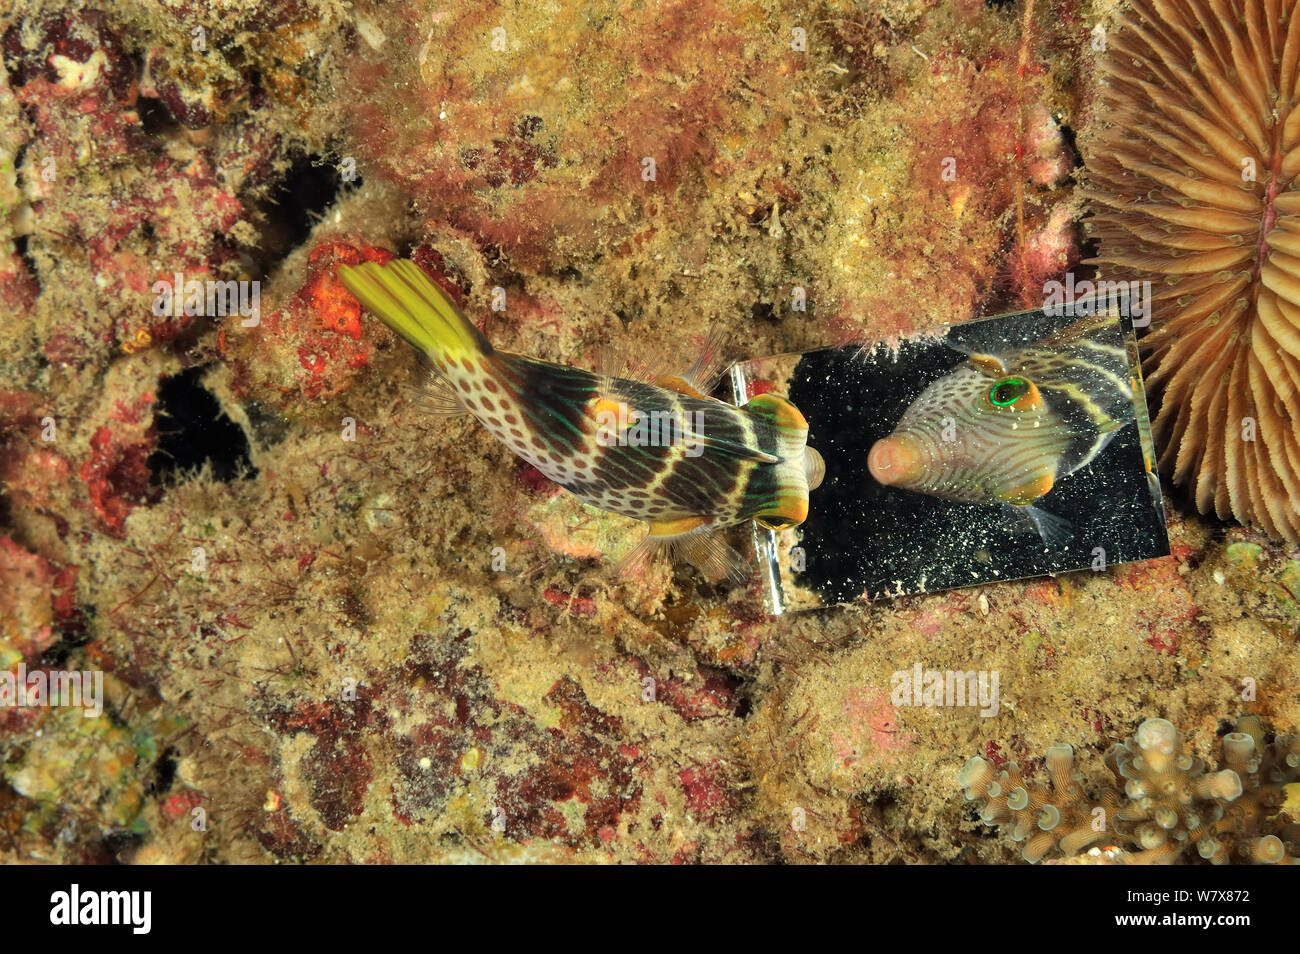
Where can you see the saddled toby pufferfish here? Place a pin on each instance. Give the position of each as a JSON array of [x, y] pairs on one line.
[[1003, 429], [706, 466]]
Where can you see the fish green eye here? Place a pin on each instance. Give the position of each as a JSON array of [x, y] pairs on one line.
[[1008, 391]]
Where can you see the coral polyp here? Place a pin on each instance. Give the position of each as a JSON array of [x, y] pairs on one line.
[[1168, 806], [1192, 172]]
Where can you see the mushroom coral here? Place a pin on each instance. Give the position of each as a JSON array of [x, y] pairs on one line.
[[1192, 162]]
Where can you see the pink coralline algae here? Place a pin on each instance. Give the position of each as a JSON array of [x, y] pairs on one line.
[[27, 618], [708, 792], [869, 716], [116, 471]]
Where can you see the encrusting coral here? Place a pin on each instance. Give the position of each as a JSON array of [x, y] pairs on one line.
[[1191, 173], [1169, 803]]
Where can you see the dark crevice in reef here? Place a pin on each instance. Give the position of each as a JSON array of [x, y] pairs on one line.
[[21, 247], [1070, 140], [155, 119], [744, 700], [120, 845], [74, 631], [193, 431], [310, 187], [70, 638], [164, 773]]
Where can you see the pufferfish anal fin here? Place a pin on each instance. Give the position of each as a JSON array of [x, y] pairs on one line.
[[1054, 531], [692, 540], [436, 395]]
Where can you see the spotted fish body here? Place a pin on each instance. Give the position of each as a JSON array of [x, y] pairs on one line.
[[730, 464], [1003, 429], [663, 452]]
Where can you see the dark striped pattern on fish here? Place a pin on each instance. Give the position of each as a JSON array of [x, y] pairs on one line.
[[663, 452], [719, 460], [1004, 428]]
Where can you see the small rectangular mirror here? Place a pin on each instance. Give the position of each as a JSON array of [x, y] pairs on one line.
[[1007, 447]]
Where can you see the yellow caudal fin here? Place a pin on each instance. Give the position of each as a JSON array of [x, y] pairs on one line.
[[404, 298]]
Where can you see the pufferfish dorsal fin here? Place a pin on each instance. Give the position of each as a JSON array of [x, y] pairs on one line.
[[701, 377], [697, 381], [709, 365]]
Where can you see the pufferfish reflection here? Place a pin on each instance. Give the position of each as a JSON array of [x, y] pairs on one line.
[[1004, 428]]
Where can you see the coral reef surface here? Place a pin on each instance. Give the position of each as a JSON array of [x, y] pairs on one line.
[[321, 624]]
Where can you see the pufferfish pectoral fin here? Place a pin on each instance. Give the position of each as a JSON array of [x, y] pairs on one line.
[[1018, 501], [1052, 530], [737, 450], [693, 540], [1025, 492]]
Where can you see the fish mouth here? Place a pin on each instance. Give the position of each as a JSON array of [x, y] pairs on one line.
[[895, 460], [814, 467]]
